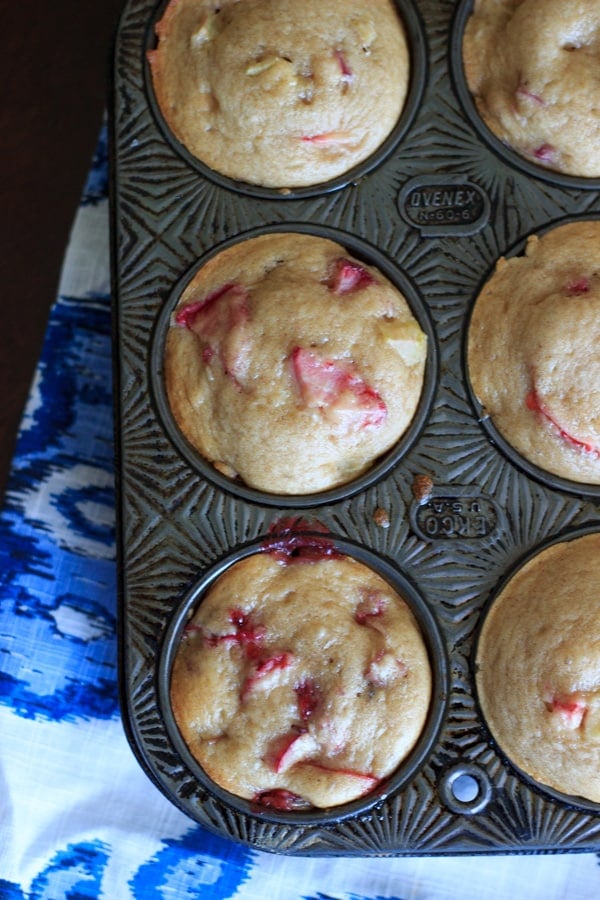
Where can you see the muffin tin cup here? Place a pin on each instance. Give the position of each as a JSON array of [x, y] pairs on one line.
[[405, 771], [451, 514], [544, 476], [534, 170], [365, 253], [544, 789], [415, 34]]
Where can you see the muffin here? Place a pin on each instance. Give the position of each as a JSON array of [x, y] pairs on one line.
[[301, 680], [531, 67], [291, 365], [534, 351], [280, 93], [538, 667]]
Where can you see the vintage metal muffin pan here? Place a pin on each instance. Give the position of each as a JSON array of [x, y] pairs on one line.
[[446, 517]]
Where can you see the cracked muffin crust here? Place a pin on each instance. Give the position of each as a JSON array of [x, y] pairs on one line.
[[291, 365], [534, 351], [302, 679], [530, 66], [538, 667], [280, 93]]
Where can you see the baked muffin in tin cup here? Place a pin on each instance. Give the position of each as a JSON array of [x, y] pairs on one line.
[[524, 72], [303, 677], [533, 355], [294, 365], [537, 667], [280, 98]]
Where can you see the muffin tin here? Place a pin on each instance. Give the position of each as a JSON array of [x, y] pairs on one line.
[[447, 517]]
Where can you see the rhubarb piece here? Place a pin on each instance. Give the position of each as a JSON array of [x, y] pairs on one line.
[[345, 69], [334, 387], [365, 782], [524, 92], [535, 404], [220, 321], [348, 276], [263, 668], [328, 137]]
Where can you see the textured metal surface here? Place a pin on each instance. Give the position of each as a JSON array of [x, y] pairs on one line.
[[440, 207]]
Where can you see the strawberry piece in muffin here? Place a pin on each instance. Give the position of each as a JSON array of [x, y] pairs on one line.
[[348, 276], [570, 710], [334, 387], [220, 320]]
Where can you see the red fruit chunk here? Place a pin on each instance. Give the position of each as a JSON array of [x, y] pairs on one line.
[[371, 606], [580, 286], [279, 661], [534, 403], [263, 668], [545, 153], [348, 276], [220, 320], [201, 311], [290, 749], [246, 635], [292, 525], [571, 710], [344, 67], [523, 91], [289, 544], [336, 388], [309, 697], [301, 548], [328, 137], [369, 781], [280, 799]]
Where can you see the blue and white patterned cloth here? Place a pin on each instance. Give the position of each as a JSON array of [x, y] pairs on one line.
[[78, 817]]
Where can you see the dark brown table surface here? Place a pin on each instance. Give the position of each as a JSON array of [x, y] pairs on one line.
[[54, 71]]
